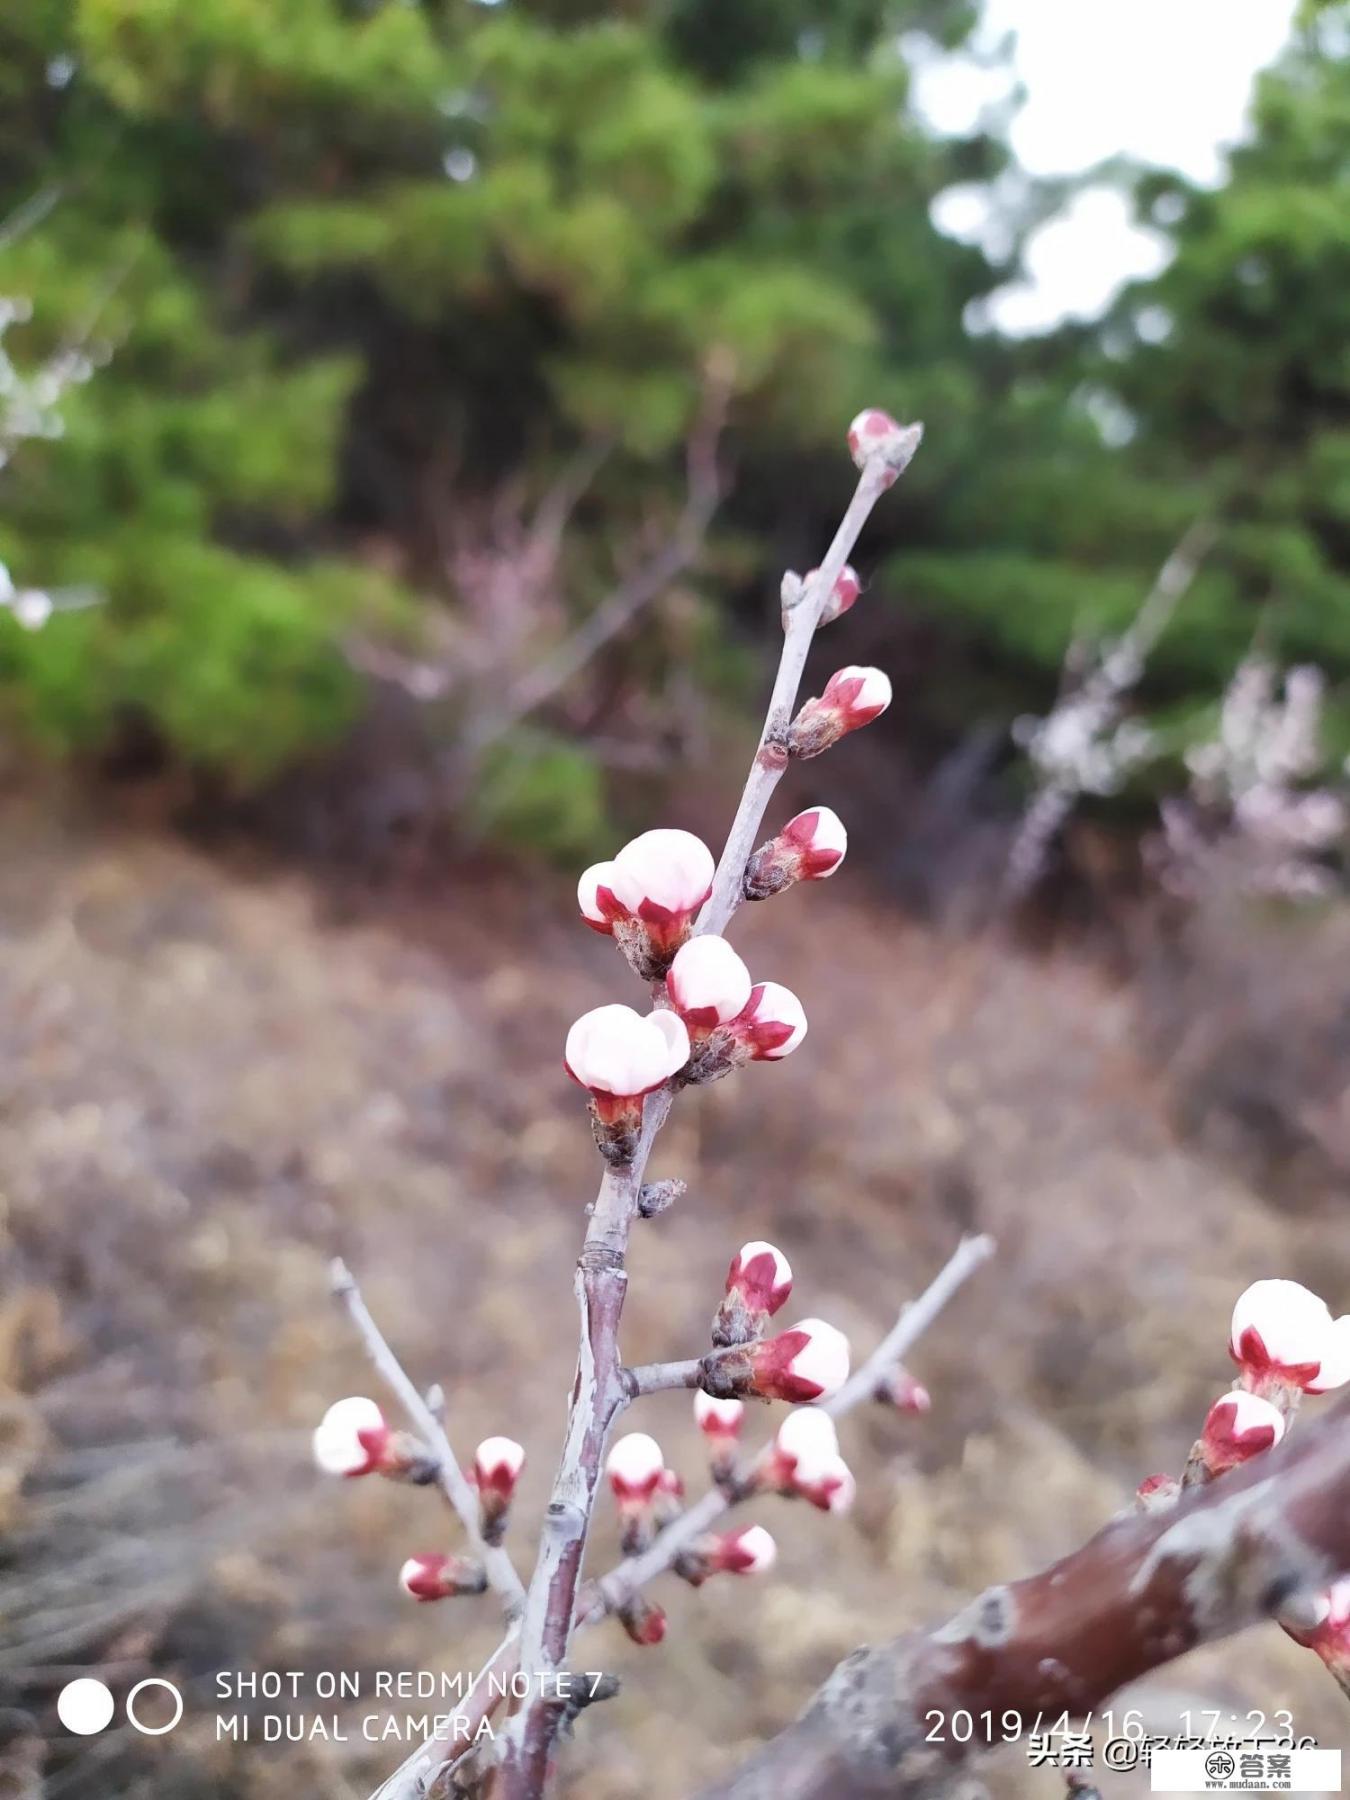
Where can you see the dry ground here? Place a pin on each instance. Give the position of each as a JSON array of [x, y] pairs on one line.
[[213, 1079]]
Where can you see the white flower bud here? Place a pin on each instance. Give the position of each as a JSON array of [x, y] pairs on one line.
[[708, 983], [352, 1438], [772, 1024]]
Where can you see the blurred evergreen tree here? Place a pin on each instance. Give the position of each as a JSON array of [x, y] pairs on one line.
[[364, 268]]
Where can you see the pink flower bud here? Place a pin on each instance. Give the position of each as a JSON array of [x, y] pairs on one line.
[[661, 879], [1327, 1629], [749, 1551], [708, 984], [808, 848], [595, 897], [1281, 1334], [352, 1438], [635, 1467], [876, 433], [831, 1489], [772, 1023], [804, 1448], [807, 1362], [644, 1622], [720, 1422], [497, 1464], [1156, 1493], [853, 697], [1238, 1426], [758, 1284], [619, 1057], [900, 1390], [719, 1419], [435, 1577], [496, 1469], [842, 595]]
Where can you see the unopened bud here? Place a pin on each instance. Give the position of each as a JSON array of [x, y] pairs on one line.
[[807, 1362], [1284, 1337], [619, 1057], [842, 595], [808, 848], [900, 1390], [749, 1551], [758, 1284], [772, 1023], [708, 984], [853, 697], [648, 896], [1157, 1493], [434, 1577], [876, 434], [1237, 1427], [644, 1622], [354, 1438], [637, 1471], [497, 1464]]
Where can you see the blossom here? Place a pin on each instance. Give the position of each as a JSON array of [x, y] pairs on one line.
[[833, 1489], [771, 1024], [619, 1057], [758, 1284], [875, 433], [352, 1438], [708, 983], [807, 1362], [1237, 1427], [1284, 1335], [497, 1464], [853, 697], [436, 1577], [749, 1551], [810, 847], [841, 596], [660, 879]]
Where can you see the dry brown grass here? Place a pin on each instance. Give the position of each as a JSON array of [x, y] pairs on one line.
[[213, 1080]]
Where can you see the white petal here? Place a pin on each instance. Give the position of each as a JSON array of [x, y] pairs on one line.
[[782, 1268], [1335, 1358], [756, 1542]]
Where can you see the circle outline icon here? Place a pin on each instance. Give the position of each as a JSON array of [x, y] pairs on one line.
[[154, 1681]]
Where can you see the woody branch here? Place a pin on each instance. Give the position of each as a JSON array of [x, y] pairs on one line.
[[1143, 1591], [598, 1389]]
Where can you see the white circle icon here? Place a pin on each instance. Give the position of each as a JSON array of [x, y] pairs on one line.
[[154, 1681], [84, 1706]]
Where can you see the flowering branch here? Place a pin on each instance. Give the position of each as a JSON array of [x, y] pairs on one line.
[[739, 1483], [1143, 1591], [882, 450], [1082, 746], [450, 1478]]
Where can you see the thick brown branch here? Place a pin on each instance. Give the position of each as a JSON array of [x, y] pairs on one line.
[[1143, 1591]]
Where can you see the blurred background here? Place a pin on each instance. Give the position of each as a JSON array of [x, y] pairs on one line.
[[407, 411]]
